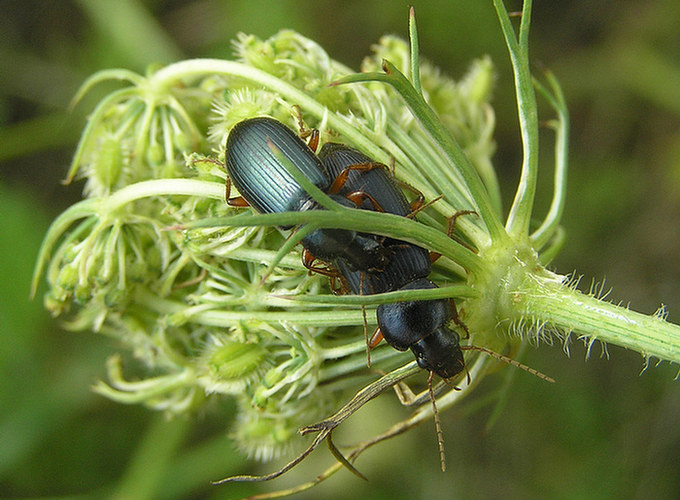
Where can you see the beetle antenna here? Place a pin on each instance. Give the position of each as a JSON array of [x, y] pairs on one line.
[[363, 314], [423, 207], [437, 423], [368, 346], [509, 361]]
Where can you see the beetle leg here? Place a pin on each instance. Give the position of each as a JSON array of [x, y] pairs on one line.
[[336, 289], [305, 133], [314, 140], [434, 257], [450, 233], [405, 394], [375, 338], [358, 198], [454, 218], [417, 203], [236, 201], [457, 320], [308, 261], [407, 397], [419, 208], [452, 227], [368, 347], [341, 178]]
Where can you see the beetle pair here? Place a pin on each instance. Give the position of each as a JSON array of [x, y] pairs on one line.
[[368, 263]]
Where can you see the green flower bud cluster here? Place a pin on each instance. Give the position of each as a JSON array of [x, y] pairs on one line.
[[192, 305], [214, 302]]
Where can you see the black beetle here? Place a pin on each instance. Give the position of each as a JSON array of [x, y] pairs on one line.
[[420, 324], [266, 185]]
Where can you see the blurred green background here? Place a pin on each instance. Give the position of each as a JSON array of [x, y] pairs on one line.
[[603, 431]]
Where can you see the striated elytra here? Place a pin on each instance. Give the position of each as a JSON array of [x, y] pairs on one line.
[[266, 185], [258, 174]]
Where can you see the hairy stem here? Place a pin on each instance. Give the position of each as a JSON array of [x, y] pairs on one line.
[[565, 309]]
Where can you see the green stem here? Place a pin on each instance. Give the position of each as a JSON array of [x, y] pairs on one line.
[[127, 393], [445, 292], [520, 213], [552, 220], [524, 27], [557, 307], [103, 76], [221, 318], [413, 37], [383, 224]]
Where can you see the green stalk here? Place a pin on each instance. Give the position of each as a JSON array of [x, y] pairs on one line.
[[384, 224], [224, 319], [415, 62], [550, 225], [556, 307], [446, 292], [522, 206]]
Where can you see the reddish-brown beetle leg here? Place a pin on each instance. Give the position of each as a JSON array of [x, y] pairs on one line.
[[308, 261], [375, 339], [236, 201], [341, 178]]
